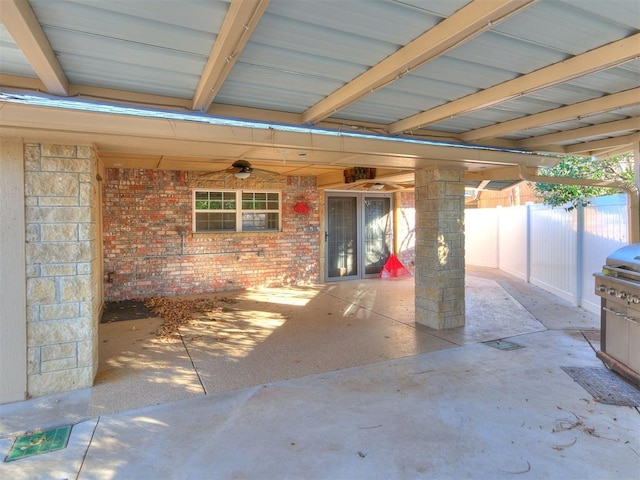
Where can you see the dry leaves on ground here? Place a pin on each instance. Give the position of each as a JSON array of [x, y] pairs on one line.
[[179, 311]]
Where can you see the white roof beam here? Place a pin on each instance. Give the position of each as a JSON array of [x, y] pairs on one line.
[[589, 147], [609, 128], [471, 20], [561, 114], [23, 26], [237, 27], [592, 61], [614, 152]]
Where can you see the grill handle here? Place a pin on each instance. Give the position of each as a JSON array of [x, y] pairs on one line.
[[619, 271], [611, 310], [620, 314]]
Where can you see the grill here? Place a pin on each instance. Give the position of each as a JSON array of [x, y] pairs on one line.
[[618, 287]]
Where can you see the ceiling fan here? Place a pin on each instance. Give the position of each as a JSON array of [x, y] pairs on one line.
[[241, 169]]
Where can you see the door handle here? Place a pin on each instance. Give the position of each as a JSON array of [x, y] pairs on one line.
[[326, 236]]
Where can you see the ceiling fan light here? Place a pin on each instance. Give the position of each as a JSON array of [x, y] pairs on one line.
[[377, 186], [242, 174]]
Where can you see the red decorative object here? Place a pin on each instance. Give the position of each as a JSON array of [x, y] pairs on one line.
[[394, 269], [302, 207]]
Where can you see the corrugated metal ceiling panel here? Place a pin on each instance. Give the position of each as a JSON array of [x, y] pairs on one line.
[[562, 27], [149, 47], [521, 44], [11, 57], [302, 51], [625, 13]]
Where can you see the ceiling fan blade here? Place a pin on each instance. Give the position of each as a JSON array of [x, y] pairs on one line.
[[265, 174]]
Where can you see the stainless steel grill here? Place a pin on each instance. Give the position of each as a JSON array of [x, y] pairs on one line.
[[618, 287]]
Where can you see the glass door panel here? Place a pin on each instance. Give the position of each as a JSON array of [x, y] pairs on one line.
[[342, 237], [377, 233]]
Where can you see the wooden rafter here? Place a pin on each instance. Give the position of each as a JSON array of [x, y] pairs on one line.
[[242, 17], [577, 110], [592, 61], [589, 147], [471, 20], [23, 26], [609, 128]]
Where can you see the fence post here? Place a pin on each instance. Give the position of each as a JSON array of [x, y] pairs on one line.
[[527, 246], [579, 253], [498, 236]]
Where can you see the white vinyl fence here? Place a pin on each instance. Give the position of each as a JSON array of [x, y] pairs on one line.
[[549, 247]]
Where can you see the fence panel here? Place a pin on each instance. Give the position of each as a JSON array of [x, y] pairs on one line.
[[481, 237], [605, 230], [513, 246], [554, 249]]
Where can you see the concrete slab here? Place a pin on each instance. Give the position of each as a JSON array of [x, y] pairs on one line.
[[138, 369], [467, 412], [262, 339], [491, 313], [552, 311], [420, 406]]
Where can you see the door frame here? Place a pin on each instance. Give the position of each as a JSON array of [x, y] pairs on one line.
[[360, 212]]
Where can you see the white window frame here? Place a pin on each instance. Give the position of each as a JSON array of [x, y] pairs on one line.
[[238, 211]]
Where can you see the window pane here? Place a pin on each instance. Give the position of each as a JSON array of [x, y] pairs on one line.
[[259, 221], [253, 221], [229, 199], [272, 221], [215, 221], [260, 201]]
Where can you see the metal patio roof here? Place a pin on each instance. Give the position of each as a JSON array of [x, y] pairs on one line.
[[558, 76]]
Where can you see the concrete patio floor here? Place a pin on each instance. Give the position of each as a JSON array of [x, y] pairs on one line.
[[337, 382]]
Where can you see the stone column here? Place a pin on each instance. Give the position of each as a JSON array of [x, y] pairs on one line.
[[439, 275], [63, 265]]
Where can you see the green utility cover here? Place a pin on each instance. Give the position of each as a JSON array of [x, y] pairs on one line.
[[39, 442]]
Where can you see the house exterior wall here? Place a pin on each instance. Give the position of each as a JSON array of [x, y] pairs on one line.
[[13, 331], [150, 248], [62, 267]]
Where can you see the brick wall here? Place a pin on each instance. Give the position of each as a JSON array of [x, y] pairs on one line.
[[147, 254]]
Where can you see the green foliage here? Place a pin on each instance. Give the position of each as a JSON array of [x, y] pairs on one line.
[[570, 196]]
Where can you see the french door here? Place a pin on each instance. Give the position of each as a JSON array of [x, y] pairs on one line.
[[358, 236]]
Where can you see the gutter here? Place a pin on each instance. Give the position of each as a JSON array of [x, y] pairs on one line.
[[633, 202]]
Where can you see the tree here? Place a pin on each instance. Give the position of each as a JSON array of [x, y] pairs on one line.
[[618, 168]]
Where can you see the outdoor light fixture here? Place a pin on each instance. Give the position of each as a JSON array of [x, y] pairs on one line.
[[244, 173]]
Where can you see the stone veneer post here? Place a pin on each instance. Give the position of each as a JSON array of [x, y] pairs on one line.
[[63, 267], [439, 275]]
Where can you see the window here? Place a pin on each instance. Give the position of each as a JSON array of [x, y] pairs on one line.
[[235, 211]]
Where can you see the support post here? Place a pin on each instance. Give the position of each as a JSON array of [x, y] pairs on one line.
[[439, 278]]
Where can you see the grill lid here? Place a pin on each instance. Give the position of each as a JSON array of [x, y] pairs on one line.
[[627, 258], [624, 263]]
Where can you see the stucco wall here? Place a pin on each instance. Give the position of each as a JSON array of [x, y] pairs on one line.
[[146, 255], [62, 263]]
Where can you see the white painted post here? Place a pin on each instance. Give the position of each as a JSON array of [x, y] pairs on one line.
[[13, 321]]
